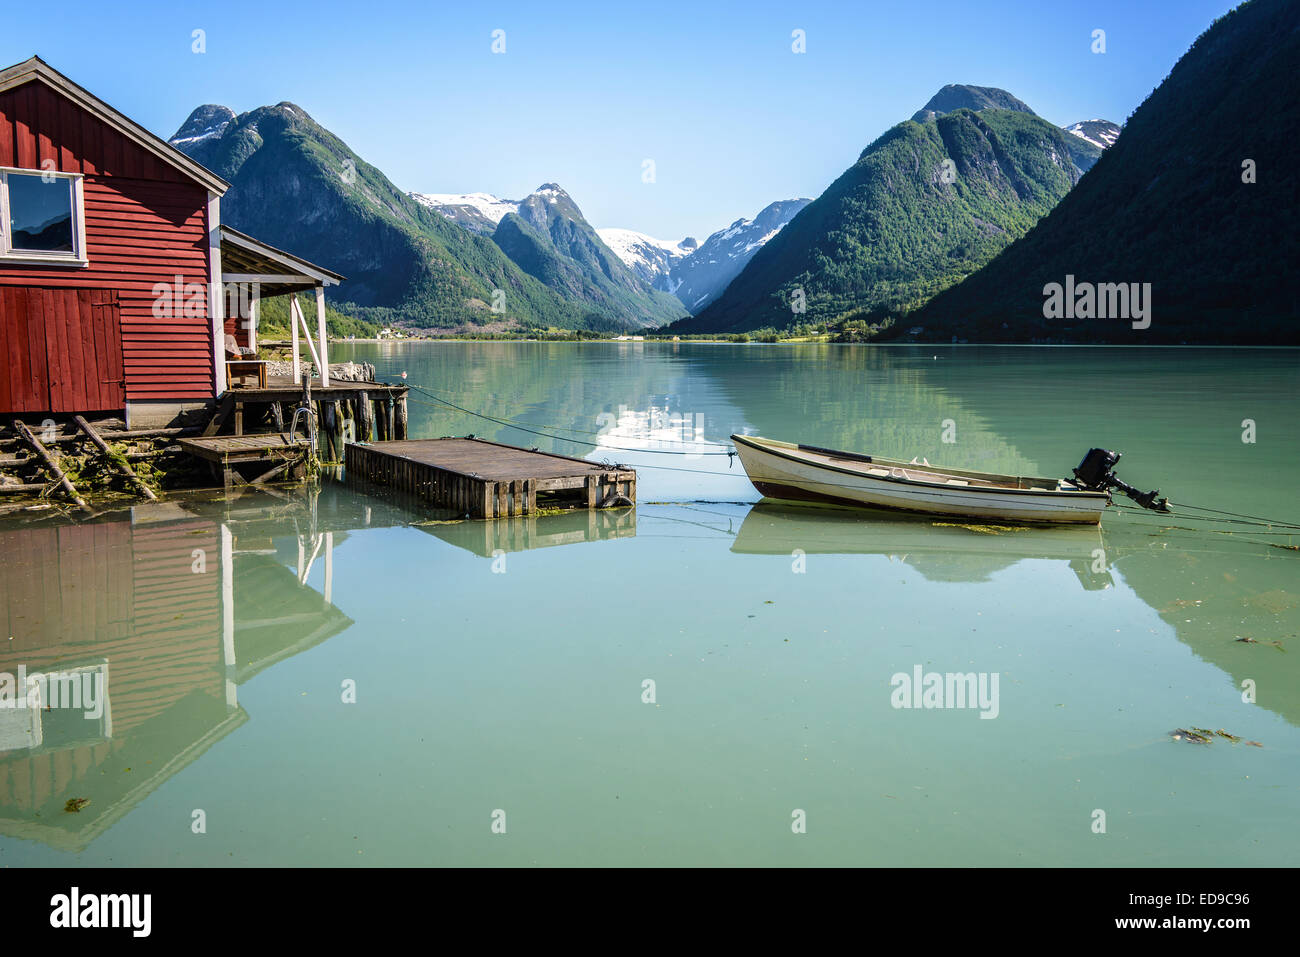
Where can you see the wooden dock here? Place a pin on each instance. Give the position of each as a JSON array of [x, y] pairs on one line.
[[346, 411], [484, 479], [226, 455]]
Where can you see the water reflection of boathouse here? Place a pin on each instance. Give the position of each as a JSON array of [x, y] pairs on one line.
[[178, 609]]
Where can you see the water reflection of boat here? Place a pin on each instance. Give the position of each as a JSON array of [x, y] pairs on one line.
[[485, 538], [941, 550], [784, 470]]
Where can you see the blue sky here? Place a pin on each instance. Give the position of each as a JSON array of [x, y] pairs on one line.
[[585, 93]]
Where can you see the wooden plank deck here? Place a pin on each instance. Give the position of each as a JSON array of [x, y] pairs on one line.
[[485, 479], [280, 388], [278, 452], [240, 448]]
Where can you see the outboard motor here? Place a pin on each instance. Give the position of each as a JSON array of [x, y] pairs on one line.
[[1095, 473]]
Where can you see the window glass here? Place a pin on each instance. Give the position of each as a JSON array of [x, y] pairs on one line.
[[40, 213]]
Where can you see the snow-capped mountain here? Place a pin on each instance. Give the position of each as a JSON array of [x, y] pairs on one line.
[[207, 122], [477, 212], [1100, 133], [653, 260], [695, 273], [547, 236], [701, 277]]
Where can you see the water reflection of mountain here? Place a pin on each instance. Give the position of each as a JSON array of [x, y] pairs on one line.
[[892, 402], [1212, 589], [177, 609], [1209, 588], [573, 389]]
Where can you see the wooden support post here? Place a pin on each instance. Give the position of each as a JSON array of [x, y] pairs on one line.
[[366, 412], [401, 417], [323, 343], [239, 417], [277, 416], [219, 418], [254, 314], [120, 466], [48, 461], [328, 428], [270, 474], [293, 339]]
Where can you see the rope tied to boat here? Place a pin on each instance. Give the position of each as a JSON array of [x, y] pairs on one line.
[[1234, 518]]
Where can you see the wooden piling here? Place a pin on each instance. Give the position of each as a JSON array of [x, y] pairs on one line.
[[50, 464], [121, 466], [366, 416], [401, 416], [328, 430]]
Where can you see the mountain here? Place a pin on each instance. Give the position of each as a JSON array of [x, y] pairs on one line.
[[960, 96], [298, 186], [1196, 199], [703, 276], [199, 134], [926, 204], [549, 239], [1100, 133], [653, 260], [477, 212], [555, 244]]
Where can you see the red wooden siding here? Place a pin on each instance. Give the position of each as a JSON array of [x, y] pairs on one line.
[[37, 124], [63, 350], [146, 223]]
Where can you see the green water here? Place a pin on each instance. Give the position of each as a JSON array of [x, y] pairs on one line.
[[500, 666]]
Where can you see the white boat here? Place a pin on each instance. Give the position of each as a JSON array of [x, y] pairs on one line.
[[786, 471]]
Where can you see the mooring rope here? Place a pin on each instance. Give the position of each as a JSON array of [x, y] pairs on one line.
[[1232, 518], [558, 438]]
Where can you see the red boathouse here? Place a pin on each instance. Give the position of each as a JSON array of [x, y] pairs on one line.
[[112, 296]]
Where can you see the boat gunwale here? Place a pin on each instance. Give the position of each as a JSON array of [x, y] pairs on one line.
[[765, 445]]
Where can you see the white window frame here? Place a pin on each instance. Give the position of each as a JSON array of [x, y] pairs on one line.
[[76, 258]]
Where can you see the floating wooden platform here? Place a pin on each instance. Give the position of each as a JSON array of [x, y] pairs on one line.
[[487, 479], [227, 453]]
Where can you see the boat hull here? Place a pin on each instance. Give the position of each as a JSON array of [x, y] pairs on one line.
[[780, 471]]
